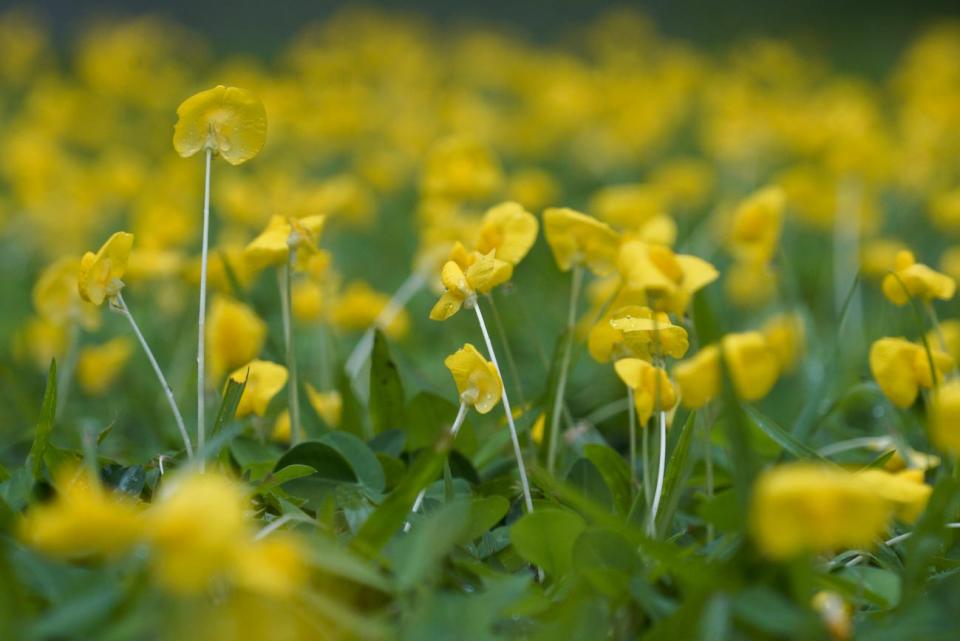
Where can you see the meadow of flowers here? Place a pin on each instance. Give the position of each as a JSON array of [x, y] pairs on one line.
[[418, 332]]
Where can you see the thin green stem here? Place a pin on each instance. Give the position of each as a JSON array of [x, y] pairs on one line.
[[525, 484], [661, 471], [121, 306], [575, 282], [511, 362], [285, 283], [202, 319]]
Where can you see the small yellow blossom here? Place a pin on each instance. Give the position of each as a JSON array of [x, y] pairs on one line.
[[653, 333], [475, 273], [306, 299], [235, 335], [509, 231], [878, 256], [905, 491], [263, 381], [669, 280], [753, 364], [359, 306], [629, 205], [229, 121], [539, 429], [946, 337], [273, 245], [651, 387], [785, 335], [100, 273], [803, 507], [836, 614], [478, 383], [274, 567], [945, 417], [83, 519], [578, 239], [98, 366], [699, 378], [755, 229], [911, 279], [56, 296], [750, 285], [901, 368], [328, 405], [533, 188], [461, 168]]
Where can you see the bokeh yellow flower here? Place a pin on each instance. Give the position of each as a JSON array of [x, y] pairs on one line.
[[235, 335], [509, 231], [901, 368], [911, 279], [98, 366], [652, 389], [263, 381]]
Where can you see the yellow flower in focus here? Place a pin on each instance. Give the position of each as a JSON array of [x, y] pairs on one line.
[[461, 168], [195, 526], [646, 331], [753, 364], [274, 567], [578, 239], [785, 335], [273, 245], [328, 405], [651, 387], [477, 381], [803, 507], [263, 381], [83, 519], [230, 121], [98, 366], [359, 306], [944, 423], [911, 279], [100, 273], [905, 491], [509, 231], [699, 377], [755, 229], [466, 276], [235, 335], [670, 280], [901, 368]]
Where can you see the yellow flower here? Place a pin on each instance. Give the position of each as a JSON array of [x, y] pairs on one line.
[[100, 273], [195, 527], [84, 519], [901, 368], [945, 210], [281, 427], [645, 331], [578, 239], [99, 365], [949, 332], [475, 273], [307, 300], [230, 121], [651, 386], [945, 417], [477, 381], [41, 340], [750, 285], [669, 280], [461, 168], [273, 245], [699, 377], [359, 306], [235, 335], [802, 507], [275, 566], [878, 256], [509, 231], [533, 188], [784, 334], [911, 279], [538, 429], [905, 491], [756, 226], [56, 296], [264, 380], [753, 364], [629, 205], [328, 405]]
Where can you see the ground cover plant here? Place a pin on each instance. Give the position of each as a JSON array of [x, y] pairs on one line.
[[414, 332]]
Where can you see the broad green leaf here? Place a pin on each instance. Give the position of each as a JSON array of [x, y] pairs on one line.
[[327, 460], [48, 409], [615, 472], [362, 459], [281, 476], [386, 389], [586, 478], [546, 537], [353, 416], [485, 513], [428, 416], [432, 537]]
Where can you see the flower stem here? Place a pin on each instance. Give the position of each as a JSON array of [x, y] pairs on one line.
[[575, 282], [285, 282], [632, 411], [511, 362], [661, 470], [202, 319], [457, 423], [525, 484], [120, 305]]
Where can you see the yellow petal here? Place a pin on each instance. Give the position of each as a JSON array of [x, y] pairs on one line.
[[272, 246], [487, 272], [448, 305], [230, 121], [757, 222], [263, 381], [101, 273], [476, 378], [753, 365], [699, 378], [235, 335], [328, 405], [508, 230], [98, 366], [892, 365], [576, 238]]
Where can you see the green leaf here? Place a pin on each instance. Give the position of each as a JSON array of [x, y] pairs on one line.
[[281, 476], [546, 538], [328, 462], [428, 416], [333, 558], [362, 459], [485, 513], [386, 390], [783, 438], [871, 586], [228, 404], [433, 536], [352, 417], [615, 472], [586, 478], [678, 471], [48, 409]]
